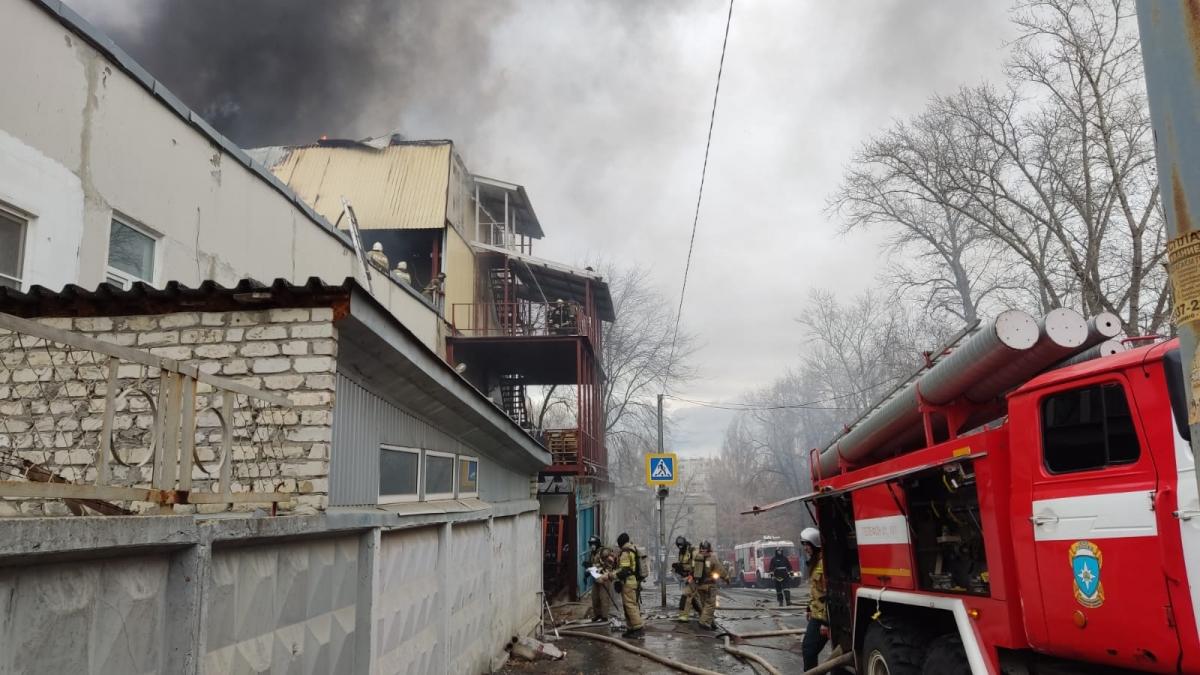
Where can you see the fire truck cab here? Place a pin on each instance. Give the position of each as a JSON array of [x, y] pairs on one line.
[[1061, 536]]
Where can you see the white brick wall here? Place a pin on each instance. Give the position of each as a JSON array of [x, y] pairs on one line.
[[52, 401]]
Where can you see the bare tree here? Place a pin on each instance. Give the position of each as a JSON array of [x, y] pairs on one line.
[[1055, 167], [638, 364], [853, 352]]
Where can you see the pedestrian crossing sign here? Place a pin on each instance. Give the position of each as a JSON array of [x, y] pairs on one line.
[[661, 468]]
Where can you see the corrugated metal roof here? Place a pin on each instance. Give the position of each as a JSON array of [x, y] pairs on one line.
[[399, 186], [417, 376], [492, 195], [141, 298], [556, 280]]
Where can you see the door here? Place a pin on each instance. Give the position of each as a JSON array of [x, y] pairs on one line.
[[1095, 531]]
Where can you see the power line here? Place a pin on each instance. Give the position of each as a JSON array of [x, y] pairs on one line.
[[808, 405], [700, 194]]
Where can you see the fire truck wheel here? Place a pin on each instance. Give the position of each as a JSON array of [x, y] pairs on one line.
[[946, 657], [898, 650]]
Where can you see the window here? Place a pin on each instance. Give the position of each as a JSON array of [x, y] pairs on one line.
[[468, 477], [399, 474], [439, 475], [1088, 428], [413, 474], [131, 252], [12, 248]]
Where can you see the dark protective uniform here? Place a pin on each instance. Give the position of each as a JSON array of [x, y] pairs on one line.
[[781, 572], [687, 559]]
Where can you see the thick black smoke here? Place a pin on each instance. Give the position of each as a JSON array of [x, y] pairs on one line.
[[272, 72]]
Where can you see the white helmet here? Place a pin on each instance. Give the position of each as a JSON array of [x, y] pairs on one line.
[[812, 536]]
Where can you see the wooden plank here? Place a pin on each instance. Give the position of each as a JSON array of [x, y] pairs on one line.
[[158, 432], [187, 432], [170, 453], [18, 488], [232, 385], [16, 323], [80, 341], [226, 442], [103, 469], [238, 497]]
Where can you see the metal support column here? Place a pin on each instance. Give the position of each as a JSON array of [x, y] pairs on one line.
[[1170, 33], [662, 519]]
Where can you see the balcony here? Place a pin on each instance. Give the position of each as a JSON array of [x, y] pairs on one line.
[[520, 319], [574, 451]]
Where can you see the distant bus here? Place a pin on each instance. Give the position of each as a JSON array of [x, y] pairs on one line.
[[752, 562]]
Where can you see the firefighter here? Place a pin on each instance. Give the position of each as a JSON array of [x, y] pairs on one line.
[[596, 558], [628, 570], [781, 570], [817, 633], [708, 570], [684, 568]]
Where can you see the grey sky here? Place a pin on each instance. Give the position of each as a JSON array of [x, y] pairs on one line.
[[600, 110]]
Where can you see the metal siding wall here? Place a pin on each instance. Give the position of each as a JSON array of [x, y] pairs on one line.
[[407, 604], [283, 608], [85, 618], [363, 420]]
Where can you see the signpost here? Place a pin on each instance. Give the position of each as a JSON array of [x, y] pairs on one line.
[[662, 470]]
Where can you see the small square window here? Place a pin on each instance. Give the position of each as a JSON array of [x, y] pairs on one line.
[[399, 474], [1087, 429], [12, 248], [130, 254], [439, 475], [468, 476]]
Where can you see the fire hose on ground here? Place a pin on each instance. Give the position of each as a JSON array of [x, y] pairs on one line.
[[671, 663], [836, 662]]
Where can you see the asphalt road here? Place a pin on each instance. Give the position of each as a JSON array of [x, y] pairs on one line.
[[740, 610]]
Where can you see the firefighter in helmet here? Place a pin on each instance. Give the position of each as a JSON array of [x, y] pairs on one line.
[[781, 572], [707, 571], [684, 567], [596, 558], [817, 633], [629, 566]]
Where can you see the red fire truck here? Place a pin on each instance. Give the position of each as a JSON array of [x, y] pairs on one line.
[[752, 562], [1000, 513]]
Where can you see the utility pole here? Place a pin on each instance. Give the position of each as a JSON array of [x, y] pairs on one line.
[[662, 518], [1170, 36]]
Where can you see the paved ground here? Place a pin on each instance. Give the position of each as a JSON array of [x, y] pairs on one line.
[[740, 611]]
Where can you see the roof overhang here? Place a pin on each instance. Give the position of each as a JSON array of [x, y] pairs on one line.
[[492, 194], [383, 354], [375, 346], [545, 281]]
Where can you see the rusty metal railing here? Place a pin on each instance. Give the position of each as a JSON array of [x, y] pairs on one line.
[[521, 318]]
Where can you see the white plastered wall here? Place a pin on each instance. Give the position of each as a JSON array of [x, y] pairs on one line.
[[50, 197], [73, 112]]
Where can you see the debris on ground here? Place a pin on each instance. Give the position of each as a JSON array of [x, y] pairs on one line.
[[530, 649]]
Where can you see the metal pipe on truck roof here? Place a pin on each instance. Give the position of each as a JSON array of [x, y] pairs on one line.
[[1106, 348], [897, 421], [1104, 326], [1061, 333]]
